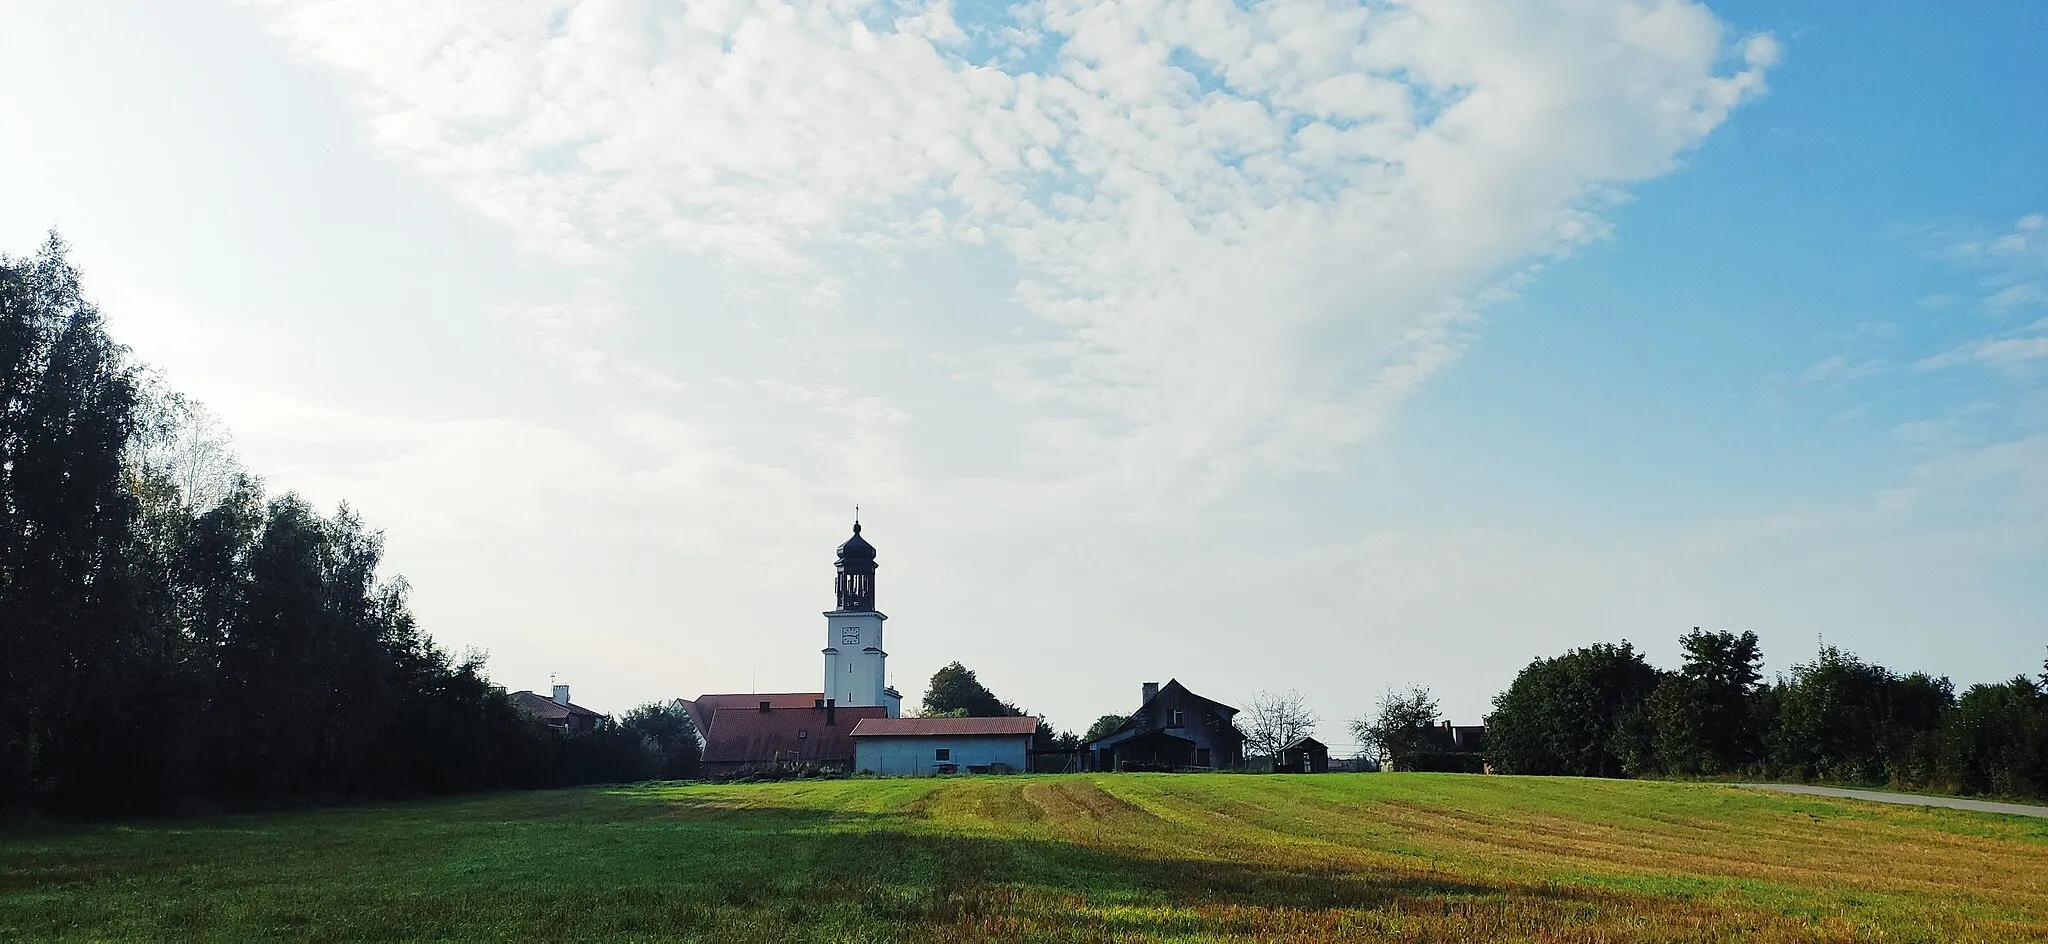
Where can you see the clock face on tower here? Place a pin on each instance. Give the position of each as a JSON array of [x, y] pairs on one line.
[[849, 636]]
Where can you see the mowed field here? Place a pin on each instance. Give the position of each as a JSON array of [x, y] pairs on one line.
[[1125, 857]]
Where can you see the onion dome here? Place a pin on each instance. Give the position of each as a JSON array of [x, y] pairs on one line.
[[856, 548]]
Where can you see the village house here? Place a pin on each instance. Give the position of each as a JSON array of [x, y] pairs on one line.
[[764, 735], [923, 746], [1172, 729], [558, 712]]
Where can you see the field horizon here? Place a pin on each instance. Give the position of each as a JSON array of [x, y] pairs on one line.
[[1101, 857]]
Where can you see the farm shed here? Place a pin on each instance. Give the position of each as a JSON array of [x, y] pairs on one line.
[[914, 747], [1303, 755]]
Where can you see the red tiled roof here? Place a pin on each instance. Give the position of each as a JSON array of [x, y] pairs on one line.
[[702, 709], [550, 710], [943, 727], [753, 736]]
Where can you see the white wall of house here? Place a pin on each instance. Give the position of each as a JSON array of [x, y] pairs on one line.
[[919, 755]]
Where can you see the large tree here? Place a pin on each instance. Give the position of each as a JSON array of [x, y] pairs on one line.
[[1705, 717], [1400, 727], [955, 691], [1581, 713], [670, 735], [1275, 720]]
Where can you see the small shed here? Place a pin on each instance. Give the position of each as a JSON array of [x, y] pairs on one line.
[[1303, 755], [919, 747]]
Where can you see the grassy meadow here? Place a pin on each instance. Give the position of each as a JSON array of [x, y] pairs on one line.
[[1124, 857]]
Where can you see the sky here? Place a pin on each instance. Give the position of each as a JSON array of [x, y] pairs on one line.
[[1291, 345]]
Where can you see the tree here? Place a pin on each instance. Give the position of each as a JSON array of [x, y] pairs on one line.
[[1579, 714], [1996, 739], [1276, 720], [955, 689], [1104, 727], [670, 735], [1704, 719], [1400, 727], [1840, 718]]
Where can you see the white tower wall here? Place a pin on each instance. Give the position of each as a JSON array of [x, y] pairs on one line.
[[856, 666]]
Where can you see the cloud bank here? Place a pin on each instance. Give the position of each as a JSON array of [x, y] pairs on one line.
[[1249, 229]]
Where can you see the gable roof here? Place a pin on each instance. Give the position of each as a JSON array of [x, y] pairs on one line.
[[702, 709], [945, 727], [753, 736], [1133, 724], [1303, 741], [547, 709]]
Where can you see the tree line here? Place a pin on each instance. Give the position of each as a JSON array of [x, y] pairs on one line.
[[173, 638], [1604, 711]]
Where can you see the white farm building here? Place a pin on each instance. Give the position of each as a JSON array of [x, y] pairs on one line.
[[911, 747]]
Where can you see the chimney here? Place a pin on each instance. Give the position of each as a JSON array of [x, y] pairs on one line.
[[764, 707], [562, 695], [1151, 689], [831, 709]]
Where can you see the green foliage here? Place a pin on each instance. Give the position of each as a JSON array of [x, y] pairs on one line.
[[1837, 718], [1702, 719], [1104, 727], [1996, 739], [174, 639], [670, 737], [955, 689], [1580, 714], [1401, 728], [1840, 718]]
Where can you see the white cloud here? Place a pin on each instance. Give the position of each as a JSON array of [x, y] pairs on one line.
[[1840, 368], [1257, 228]]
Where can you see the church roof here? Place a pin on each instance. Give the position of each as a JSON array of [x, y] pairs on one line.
[[702, 709], [789, 735], [944, 727], [856, 548]]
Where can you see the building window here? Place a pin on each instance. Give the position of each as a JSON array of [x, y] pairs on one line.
[[945, 753], [1176, 718], [800, 735]]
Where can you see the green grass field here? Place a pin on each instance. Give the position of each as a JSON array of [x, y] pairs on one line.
[[1126, 857]]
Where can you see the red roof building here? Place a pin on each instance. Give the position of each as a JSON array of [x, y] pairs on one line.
[[746, 737], [914, 747], [702, 709]]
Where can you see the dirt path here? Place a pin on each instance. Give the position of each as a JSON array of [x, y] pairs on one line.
[[1906, 799]]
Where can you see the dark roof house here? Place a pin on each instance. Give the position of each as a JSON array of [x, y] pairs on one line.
[[558, 712], [1172, 729], [1303, 755]]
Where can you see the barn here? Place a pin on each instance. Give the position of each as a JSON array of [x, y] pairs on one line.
[[917, 747]]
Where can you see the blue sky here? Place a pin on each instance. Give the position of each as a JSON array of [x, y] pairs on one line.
[[1283, 347]]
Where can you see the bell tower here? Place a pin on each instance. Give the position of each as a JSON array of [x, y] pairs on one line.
[[855, 663]]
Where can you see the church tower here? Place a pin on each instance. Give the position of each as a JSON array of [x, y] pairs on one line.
[[855, 664]]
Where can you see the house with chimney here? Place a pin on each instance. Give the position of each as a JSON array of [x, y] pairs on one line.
[[771, 733], [1173, 729], [558, 712]]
